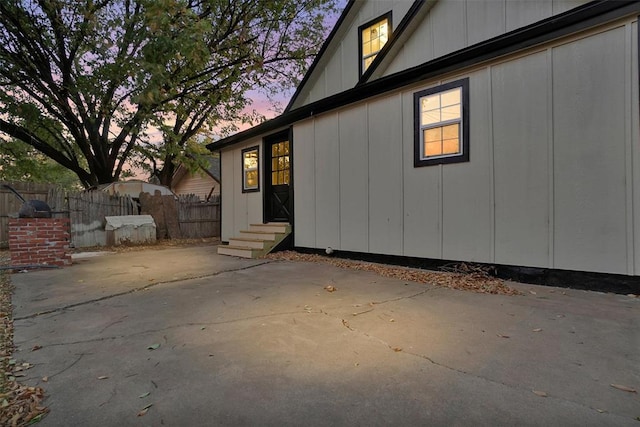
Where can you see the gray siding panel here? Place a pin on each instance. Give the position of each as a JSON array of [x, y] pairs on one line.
[[521, 171], [467, 195], [327, 166], [449, 27], [520, 13], [635, 148], [304, 183], [485, 19], [385, 176], [589, 152], [423, 198], [354, 180]]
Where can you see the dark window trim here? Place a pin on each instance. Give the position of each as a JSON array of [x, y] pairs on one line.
[[418, 161], [388, 16], [244, 189]]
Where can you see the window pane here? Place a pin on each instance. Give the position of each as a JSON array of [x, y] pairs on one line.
[[251, 179], [285, 146], [274, 178], [383, 29], [431, 117], [368, 62], [451, 146], [451, 113], [250, 160], [375, 45], [274, 164], [366, 35], [451, 131], [286, 177], [451, 97], [432, 149], [430, 102], [432, 135], [366, 49]]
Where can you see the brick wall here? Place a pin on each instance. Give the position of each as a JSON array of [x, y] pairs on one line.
[[39, 241]]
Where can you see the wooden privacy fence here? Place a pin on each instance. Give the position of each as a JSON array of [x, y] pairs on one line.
[[197, 218], [87, 211]]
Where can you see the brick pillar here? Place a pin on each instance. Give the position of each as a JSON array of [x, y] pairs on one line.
[[39, 241]]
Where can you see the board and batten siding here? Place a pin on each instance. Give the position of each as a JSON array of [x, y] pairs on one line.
[[454, 25], [553, 179], [239, 209], [450, 25], [341, 71]]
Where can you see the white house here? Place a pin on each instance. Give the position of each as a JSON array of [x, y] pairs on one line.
[[492, 131]]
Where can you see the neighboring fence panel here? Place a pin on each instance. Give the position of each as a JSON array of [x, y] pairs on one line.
[[10, 205], [199, 219], [87, 211]]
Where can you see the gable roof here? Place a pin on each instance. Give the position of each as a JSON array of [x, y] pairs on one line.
[[212, 169], [581, 17], [331, 39]]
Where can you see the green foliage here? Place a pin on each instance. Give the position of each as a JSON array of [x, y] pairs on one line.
[[97, 85], [20, 162]]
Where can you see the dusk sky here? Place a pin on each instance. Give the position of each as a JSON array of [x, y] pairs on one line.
[[271, 108]]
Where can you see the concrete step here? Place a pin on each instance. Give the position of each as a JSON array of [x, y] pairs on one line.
[[272, 227], [251, 243], [239, 251]]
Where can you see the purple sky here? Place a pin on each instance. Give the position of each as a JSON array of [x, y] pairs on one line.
[[271, 108]]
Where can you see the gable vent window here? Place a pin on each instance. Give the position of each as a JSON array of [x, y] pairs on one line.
[[442, 124], [373, 36]]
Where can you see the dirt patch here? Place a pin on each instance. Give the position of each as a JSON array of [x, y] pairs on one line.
[[20, 405], [464, 276]]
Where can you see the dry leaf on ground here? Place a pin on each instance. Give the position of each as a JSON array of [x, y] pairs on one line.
[[624, 388], [461, 277]]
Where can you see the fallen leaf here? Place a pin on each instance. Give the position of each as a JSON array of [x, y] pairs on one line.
[[502, 336], [143, 395], [396, 349], [144, 410], [36, 347], [624, 388], [203, 328], [532, 292], [330, 288], [45, 379], [537, 330], [602, 411], [392, 320], [153, 346], [103, 377], [540, 393]]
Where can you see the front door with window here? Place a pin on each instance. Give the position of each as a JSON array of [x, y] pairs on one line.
[[278, 179]]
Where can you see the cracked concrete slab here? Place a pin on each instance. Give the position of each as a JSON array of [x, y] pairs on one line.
[[241, 342]]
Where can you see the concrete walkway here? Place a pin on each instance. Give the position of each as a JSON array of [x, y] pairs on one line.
[[213, 340]]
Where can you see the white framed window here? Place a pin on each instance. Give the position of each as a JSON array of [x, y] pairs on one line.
[[441, 124], [251, 169], [373, 36]]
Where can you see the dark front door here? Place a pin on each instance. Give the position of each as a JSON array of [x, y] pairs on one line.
[[278, 179]]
